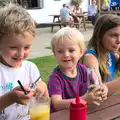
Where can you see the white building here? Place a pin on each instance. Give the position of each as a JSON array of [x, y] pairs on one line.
[[44, 8]]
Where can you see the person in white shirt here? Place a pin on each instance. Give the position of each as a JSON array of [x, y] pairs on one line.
[[17, 32], [92, 11]]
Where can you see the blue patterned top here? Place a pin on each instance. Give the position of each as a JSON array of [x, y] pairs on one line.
[[111, 63]]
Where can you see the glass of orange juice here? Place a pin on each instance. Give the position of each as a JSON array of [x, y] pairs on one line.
[[39, 109]]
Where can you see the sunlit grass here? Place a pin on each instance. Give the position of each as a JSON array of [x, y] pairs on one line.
[[45, 65]]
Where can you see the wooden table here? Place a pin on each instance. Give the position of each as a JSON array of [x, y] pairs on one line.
[[55, 17], [80, 21], [108, 110], [110, 12]]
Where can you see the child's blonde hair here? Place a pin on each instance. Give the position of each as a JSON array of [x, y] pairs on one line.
[[15, 20], [72, 34]]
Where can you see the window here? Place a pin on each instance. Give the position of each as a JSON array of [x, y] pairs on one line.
[[31, 4]]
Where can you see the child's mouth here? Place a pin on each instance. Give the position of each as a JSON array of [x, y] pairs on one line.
[[66, 60], [18, 59]]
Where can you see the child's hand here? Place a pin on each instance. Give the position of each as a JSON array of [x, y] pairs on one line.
[[18, 96], [94, 94], [42, 89], [104, 90], [100, 92]]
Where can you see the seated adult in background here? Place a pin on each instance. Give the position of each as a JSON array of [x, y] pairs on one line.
[[72, 6], [65, 15], [77, 11], [106, 5], [103, 47], [92, 10], [114, 4], [74, 10]]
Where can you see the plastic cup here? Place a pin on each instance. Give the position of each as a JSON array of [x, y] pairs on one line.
[[39, 109], [90, 88]]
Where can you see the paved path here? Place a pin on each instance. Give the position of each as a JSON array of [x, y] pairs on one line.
[[44, 36]]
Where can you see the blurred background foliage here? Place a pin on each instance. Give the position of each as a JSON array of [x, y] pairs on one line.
[[3, 2], [77, 3]]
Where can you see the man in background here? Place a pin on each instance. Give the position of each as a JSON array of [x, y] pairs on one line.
[[92, 11], [65, 15]]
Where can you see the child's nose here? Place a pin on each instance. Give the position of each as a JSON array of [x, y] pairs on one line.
[[66, 53], [20, 53], [118, 40]]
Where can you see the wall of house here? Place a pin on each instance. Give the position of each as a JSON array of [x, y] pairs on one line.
[[51, 7]]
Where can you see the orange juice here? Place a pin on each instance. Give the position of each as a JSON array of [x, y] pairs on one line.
[[40, 112]]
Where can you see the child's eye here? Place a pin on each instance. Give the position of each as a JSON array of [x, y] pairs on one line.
[[27, 47], [60, 51], [71, 50], [13, 48], [114, 35]]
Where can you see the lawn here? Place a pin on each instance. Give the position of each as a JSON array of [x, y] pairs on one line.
[[45, 65]]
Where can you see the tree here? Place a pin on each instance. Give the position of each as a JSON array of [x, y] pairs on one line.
[[78, 2]]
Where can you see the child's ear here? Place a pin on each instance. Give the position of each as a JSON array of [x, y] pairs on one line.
[[82, 51]]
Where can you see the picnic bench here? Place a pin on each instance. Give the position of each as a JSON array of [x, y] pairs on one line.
[[108, 110], [110, 12], [60, 24]]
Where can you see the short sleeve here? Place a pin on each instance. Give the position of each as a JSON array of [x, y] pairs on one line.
[[54, 85], [34, 73]]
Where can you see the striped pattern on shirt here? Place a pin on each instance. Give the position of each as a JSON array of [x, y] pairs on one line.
[[68, 87]]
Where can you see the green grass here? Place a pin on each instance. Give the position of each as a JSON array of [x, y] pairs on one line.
[[45, 65]]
